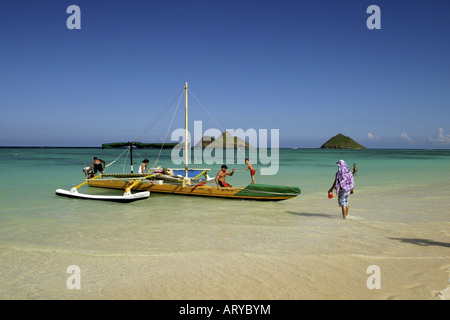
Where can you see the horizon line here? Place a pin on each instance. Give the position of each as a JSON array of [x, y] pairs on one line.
[[293, 148]]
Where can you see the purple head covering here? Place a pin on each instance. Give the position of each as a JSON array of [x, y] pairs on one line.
[[344, 177]]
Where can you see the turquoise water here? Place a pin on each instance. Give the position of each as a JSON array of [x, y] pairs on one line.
[[400, 215], [31, 175]]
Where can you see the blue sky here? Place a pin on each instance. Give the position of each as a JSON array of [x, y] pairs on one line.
[[311, 69]]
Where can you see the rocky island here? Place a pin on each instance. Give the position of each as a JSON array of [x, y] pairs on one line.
[[340, 141]]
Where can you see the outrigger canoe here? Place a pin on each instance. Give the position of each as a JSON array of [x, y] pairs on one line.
[[189, 182]]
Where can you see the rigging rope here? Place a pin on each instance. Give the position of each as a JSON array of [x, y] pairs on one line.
[[218, 124], [167, 133], [125, 160], [112, 162], [155, 119], [223, 130]]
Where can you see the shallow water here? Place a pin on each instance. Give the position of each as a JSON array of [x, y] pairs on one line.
[[178, 247]]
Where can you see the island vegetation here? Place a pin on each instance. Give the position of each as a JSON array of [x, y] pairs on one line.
[[340, 141]]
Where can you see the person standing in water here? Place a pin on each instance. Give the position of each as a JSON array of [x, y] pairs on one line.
[[344, 184], [355, 169]]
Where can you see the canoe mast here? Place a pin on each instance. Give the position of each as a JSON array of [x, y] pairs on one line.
[[186, 134]]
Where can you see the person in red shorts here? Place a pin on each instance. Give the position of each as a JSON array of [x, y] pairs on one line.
[[221, 175], [251, 169]]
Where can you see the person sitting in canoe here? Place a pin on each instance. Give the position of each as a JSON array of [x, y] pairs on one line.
[[221, 175], [143, 167], [165, 171], [96, 166], [168, 172]]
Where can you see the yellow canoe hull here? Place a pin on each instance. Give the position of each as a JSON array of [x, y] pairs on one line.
[[206, 191]]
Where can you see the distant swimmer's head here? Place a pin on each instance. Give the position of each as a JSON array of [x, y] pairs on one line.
[[145, 161]]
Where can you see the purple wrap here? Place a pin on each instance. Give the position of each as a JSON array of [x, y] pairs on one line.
[[344, 177]]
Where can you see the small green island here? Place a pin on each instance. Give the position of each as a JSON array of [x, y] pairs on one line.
[[340, 141]]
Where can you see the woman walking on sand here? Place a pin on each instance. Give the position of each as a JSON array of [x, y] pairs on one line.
[[344, 185]]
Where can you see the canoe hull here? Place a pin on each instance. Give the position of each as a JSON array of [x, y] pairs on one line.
[[251, 192]]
